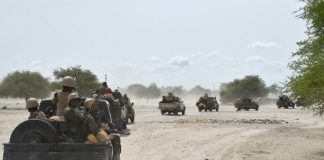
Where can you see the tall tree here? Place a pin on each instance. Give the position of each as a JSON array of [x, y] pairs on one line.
[[137, 90], [25, 84], [198, 90], [152, 91], [86, 81], [307, 81], [251, 86]]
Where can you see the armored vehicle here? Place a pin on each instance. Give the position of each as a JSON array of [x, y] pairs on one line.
[[172, 104], [207, 103], [300, 102], [246, 104], [285, 102], [39, 139]]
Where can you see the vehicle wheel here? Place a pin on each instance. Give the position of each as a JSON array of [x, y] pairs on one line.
[[205, 110], [175, 112], [162, 112], [211, 110], [34, 131], [199, 109], [239, 109], [132, 119], [124, 124], [183, 112], [217, 109]]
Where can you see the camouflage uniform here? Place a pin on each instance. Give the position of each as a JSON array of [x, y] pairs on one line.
[[79, 125], [32, 106], [61, 97], [37, 115]]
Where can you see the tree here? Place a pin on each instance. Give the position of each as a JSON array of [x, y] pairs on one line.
[[274, 89], [152, 91], [138, 90], [86, 81], [25, 84], [251, 86], [198, 90], [307, 81], [177, 90]]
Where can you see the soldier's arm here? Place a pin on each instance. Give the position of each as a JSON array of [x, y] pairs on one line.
[[55, 99]]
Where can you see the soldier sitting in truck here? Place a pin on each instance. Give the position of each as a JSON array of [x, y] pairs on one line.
[[32, 106], [80, 126]]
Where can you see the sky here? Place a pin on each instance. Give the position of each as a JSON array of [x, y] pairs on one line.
[[169, 42]]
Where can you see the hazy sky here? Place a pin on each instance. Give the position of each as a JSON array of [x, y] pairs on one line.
[[170, 42]]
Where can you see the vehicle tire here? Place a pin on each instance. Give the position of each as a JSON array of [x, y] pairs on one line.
[[162, 112], [132, 119], [183, 112], [124, 124], [199, 109], [238, 109], [34, 131], [205, 110], [217, 109], [175, 112]]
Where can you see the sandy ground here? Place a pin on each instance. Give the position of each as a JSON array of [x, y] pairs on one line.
[[269, 133]]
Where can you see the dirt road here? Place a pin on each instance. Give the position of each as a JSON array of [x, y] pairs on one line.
[[269, 133]]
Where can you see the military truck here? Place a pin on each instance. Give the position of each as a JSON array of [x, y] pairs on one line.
[[207, 103], [246, 104], [285, 102], [38, 140], [172, 104], [300, 102]]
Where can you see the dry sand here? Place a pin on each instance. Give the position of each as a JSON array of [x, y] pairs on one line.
[[269, 133]]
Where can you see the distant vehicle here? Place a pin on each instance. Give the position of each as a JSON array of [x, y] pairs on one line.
[[285, 102], [299, 102], [246, 104], [207, 103], [172, 104]]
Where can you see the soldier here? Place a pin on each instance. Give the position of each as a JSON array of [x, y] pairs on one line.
[[80, 126], [32, 106], [126, 99], [61, 97], [104, 89], [100, 115]]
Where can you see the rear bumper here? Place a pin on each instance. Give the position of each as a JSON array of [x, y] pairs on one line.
[[49, 151]]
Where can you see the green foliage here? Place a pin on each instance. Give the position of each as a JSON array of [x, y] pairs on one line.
[[140, 91], [25, 84], [137, 90], [198, 90], [307, 81], [177, 90], [86, 81], [251, 86], [275, 89], [152, 91]]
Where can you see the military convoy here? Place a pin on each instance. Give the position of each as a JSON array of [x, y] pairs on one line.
[[285, 102], [207, 103], [246, 104], [172, 104]]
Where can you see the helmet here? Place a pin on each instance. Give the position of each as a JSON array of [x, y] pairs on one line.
[[31, 103], [73, 96], [68, 82], [88, 102]]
